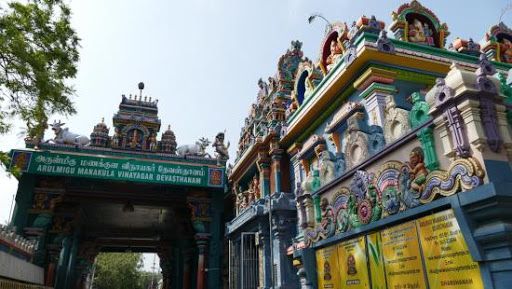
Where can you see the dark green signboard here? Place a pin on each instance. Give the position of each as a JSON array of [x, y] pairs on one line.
[[71, 165]]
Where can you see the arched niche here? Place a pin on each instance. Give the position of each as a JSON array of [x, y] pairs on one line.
[[337, 33], [326, 47], [498, 43], [408, 19], [431, 33], [135, 136], [301, 86], [306, 80]]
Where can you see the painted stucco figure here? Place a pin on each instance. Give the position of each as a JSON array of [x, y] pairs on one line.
[[327, 168], [336, 54], [420, 33], [197, 149], [221, 149], [506, 50], [64, 136], [327, 222]]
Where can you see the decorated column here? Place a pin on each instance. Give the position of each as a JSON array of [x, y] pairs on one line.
[[201, 212], [375, 87], [263, 164], [53, 258], [264, 252], [276, 163], [418, 116], [70, 268], [60, 277], [283, 230], [202, 252]]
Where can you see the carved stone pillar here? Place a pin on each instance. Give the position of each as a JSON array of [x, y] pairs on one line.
[[202, 252], [263, 164], [318, 210], [374, 85], [265, 261], [53, 258], [276, 163], [309, 206], [283, 230], [418, 116], [448, 119]]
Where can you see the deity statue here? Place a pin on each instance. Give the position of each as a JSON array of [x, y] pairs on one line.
[[255, 185], [419, 173], [135, 140], [250, 197], [245, 202], [390, 200], [336, 53], [152, 142], [420, 33], [327, 215], [292, 107], [241, 201], [39, 202], [506, 50], [220, 149]]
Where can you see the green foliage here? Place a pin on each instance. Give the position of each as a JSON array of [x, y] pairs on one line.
[[5, 161], [150, 279], [118, 271], [38, 54]]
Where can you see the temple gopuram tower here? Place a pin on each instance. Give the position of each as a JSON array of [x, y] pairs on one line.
[[126, 192]]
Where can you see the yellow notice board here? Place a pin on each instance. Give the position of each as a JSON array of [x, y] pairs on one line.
[[353, 267], [447, 259], [375, 258], [402, 259], [327, 268]]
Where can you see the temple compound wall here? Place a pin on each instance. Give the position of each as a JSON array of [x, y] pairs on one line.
[[386, 164]]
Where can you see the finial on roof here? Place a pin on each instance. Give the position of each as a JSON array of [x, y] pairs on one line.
[[141, 87], [103, 120]]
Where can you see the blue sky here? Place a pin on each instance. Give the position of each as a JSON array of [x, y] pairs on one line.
[[202, 58]]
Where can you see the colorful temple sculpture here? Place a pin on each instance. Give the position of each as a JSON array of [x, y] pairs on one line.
[[126, 192], [386, 164]]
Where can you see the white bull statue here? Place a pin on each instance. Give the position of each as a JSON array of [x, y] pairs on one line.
[[197, 149], [64, 136]]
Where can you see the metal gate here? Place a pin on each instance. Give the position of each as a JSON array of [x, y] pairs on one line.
[[234, 264], [244, 262]]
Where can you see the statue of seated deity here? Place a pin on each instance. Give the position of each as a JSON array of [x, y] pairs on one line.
[[336, 53], [418, 171], [506, 50], [135, 140], [420, 33]]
